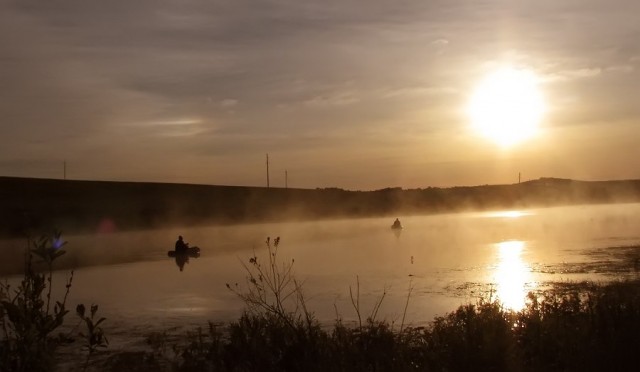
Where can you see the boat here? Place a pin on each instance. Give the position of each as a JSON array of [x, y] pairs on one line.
[[189, 251]]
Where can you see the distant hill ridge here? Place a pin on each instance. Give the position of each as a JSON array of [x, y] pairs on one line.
[[72, 205]]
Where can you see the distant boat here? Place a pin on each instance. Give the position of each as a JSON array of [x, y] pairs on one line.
[[396, 225]]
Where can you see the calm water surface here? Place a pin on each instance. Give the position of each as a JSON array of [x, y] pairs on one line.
[[447, 259]]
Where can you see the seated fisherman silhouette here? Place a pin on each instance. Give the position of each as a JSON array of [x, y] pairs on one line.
[[181, 246]]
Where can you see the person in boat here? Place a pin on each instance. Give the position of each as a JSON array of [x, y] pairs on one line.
[[396, 224], [181, 246]]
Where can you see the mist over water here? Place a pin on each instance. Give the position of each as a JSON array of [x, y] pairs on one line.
[[448, 260]]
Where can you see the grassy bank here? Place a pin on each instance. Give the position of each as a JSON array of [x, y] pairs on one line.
[[588, 328]]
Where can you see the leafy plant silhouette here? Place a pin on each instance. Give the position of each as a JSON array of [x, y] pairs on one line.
[[28, 313], [94, 337]]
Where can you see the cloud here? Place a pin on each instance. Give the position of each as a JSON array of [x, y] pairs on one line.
[[184, 122], [333, 99], [620, 69], [419, 91], [440, 42], [228, 102], [73, 70], [178, 127], [568, 75]]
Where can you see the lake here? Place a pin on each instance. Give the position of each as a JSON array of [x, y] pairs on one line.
[[447, 260]]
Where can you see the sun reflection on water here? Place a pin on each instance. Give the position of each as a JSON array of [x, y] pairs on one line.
[[508, 214], [512, 276]]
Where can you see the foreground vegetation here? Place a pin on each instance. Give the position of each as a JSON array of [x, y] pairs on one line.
[[582, 327], [592, 332], [29, 314]]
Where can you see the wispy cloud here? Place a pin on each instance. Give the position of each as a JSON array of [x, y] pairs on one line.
[[228, 102], [567, 75], [624, 69], [330, 100], [404, 92]]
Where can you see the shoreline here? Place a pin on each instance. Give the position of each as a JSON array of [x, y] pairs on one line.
[[103, 206]]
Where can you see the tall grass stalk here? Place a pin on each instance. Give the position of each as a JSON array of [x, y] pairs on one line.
[[272, 287], [406, 304], [355, 302]]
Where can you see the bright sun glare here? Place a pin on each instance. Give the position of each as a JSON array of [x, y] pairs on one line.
[[512, 275], [507, 106]]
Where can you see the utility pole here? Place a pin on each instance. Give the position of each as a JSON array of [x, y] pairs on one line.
[[267, 170], [64, 169], [518, 177], [286, 179]]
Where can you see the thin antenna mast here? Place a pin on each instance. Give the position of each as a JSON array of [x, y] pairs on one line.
[[267, 170], [286, 179], [64, 170]]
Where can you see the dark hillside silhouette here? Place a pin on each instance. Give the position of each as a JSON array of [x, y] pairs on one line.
[[87, 206]]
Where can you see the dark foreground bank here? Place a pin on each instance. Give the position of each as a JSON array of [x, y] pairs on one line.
[[588, 328]]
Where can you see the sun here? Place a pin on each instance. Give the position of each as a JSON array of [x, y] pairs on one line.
[[507, 106]]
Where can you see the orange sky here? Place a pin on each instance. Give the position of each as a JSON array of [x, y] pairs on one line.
[[351, 94]]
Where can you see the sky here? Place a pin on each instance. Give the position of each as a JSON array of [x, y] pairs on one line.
[[355, 94]]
